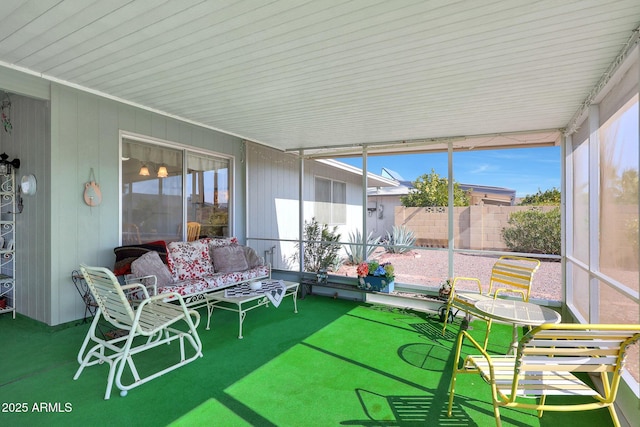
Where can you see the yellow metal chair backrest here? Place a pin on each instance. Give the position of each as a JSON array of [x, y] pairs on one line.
[[546, 362], [513, 274], [509, 275], [193, 231], [575, 348]]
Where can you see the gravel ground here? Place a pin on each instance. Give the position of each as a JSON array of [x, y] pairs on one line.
[[430, 268]]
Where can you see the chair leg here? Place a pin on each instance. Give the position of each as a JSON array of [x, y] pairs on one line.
[[446, 318], [543, 399], [614, 416], [455, 373], [85, 343], [451, 392], [486, 337], [496, 413]]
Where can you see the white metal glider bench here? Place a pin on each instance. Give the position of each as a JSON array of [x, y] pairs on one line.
[[509, 275], [148, 323], [547, 360]]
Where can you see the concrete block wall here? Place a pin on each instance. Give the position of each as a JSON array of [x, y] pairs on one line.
[[475, 227]]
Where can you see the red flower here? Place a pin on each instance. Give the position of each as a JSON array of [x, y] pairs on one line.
[[363, 269]]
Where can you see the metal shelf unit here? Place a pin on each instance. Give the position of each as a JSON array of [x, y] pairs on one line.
[[7, 241]]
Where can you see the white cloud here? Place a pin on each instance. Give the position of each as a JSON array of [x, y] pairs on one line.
[[482, 168]]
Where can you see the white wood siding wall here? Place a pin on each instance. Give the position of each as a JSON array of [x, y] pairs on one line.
[[30, 142], [60, 142], [273, 192], [85, 135]]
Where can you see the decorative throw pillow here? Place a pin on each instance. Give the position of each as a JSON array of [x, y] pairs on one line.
[[125, 255], [151, 264], [253, 260], [189, 260], [229, 259]]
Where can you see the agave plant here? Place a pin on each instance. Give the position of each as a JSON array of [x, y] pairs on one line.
[[354, 249], [400, 239]]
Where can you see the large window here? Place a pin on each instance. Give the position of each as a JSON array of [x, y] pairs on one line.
[[331, 201], [208, 193], [164, 187]]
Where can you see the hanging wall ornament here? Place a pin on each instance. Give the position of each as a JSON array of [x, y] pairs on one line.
[[92, 193], [5, 113]]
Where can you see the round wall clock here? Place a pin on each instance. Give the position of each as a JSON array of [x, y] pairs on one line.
[[28, 185]]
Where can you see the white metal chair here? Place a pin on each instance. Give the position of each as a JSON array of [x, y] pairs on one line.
[[546, 364], [147, 323], [509, 275]]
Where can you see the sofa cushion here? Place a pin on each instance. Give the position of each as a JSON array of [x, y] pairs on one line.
[[253, 260], [219, 241], [151, 264], [189, 260], [191, 287], [229, 259], [125, 255]]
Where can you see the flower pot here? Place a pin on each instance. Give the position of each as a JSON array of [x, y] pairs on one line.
[[376, 283]]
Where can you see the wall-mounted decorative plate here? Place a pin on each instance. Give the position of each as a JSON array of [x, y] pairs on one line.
[[28, 185]]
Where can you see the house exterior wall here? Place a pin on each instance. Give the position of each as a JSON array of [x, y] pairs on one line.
[[273, 193], [76, 132], [85, 136], [272, 202], [30, 141], [381, 214]]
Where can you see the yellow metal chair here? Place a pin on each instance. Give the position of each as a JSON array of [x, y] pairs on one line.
[[146, 324], [193, 231], [546, 362], [509, 275]]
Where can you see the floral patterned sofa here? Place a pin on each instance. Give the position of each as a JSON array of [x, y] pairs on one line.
[[194, 268]]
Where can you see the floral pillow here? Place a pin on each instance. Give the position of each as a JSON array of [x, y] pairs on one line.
[[150, 264], [189, 260]]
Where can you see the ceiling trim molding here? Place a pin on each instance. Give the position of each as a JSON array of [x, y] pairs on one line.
[[597, 91], [548, 137], [117, 99]]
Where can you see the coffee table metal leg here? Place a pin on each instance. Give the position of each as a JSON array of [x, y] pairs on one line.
[[209, 313], [241, 315], [294, 295]]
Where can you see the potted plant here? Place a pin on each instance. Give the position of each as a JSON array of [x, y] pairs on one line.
[[373, 276]]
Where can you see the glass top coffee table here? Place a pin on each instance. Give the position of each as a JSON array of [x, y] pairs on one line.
[[241, 299], [518, 313]]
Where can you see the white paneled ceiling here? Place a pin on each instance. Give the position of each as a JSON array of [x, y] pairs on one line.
[[309, 74]]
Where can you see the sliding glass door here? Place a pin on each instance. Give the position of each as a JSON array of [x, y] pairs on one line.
[[164, 187]]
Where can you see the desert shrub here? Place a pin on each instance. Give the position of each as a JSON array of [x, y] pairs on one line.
[[432, 190], [534, 231], [550, 197], [401, 238], [354, 249], [320, 249]]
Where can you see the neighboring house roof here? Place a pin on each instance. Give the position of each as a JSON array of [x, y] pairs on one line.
[[372, 179], [405, 186], [386, 172], [489, 189]]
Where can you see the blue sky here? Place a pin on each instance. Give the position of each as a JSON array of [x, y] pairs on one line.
[[524, 169]]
